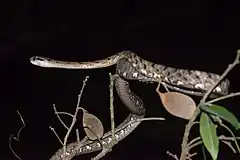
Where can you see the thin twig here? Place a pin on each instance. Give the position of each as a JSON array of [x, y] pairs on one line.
[[230, 67], [195, 122], [235, 140], [148, 119], [10, 146], [78, 137], [139, 120], [165, 87], [229, 138], [194, 145], [191, 155], [223, 97], [65, 113], [194, 140], [112, 79], [219, 121], [229, 145], [172, 155], [158, 86], [59, 118], [17, 138], [102, 154], [224, 139], [53, 130]]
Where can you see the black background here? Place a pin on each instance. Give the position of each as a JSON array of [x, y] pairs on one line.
[[194, 34]]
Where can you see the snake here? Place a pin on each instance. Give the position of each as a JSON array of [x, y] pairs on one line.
[[130, 66]]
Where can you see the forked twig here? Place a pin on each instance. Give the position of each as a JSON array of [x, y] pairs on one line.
[[229, 145], [233, 136], [64, 143], [197, 141], [16, 138], [59, 118]]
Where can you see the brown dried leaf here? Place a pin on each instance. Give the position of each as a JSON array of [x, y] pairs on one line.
[[178, 104], [92, 126]]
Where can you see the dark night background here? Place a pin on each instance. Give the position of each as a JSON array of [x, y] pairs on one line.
[[194, 34]]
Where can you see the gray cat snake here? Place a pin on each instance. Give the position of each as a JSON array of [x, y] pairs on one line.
[[129, 66]]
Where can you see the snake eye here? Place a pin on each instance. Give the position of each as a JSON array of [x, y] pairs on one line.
[[33, 58], [38, 58]]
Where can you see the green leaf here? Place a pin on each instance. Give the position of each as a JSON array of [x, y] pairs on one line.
[[209, 136], [223, 113]]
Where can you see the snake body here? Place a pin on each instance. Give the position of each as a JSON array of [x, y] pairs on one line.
[[129, 66], [188, 81]]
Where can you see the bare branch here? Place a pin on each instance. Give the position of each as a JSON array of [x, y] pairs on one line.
[[172, 155], [230, 67], [17, 138], [53, 130], [112, 79], [194, 140], [65, 113], [102, 153], [223, 97], [191, 155], [77, 134], [69, 129], [229, 145], [57, 114], [235, 140], [228, 138]]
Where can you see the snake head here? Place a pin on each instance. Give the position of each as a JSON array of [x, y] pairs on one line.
[[40, 61]]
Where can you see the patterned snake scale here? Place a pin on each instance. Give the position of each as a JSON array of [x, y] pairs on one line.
[[129, 66]]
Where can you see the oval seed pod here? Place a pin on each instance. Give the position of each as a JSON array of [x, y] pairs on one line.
[[178, 104], [92, 126]]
